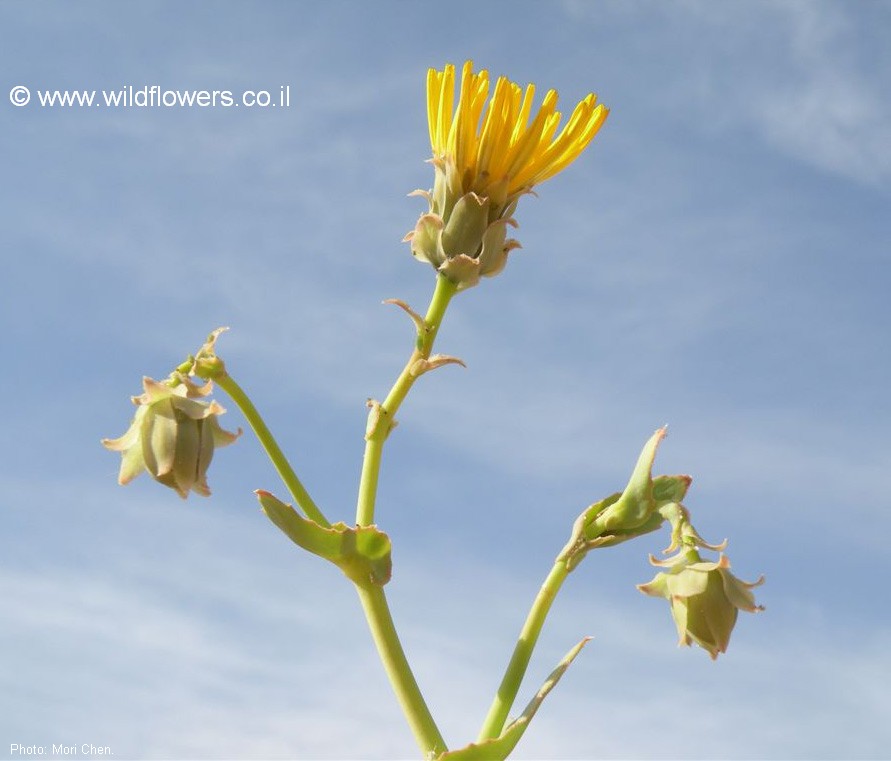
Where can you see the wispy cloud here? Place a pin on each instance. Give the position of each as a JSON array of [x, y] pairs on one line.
[[801, 76]]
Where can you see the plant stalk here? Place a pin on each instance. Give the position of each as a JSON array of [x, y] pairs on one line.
[[519, 662], [375, 437], [273, 450], [389, 648], [373, 599]]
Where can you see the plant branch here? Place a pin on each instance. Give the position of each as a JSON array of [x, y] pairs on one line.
[[381, 419], [267, 440], [382, 416], [389, 648], [519, 662]]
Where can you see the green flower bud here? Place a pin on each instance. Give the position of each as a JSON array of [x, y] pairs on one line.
[[705, 598], [172, 436]]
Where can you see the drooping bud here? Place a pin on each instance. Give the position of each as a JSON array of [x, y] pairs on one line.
[[173, 435], [705, 598]]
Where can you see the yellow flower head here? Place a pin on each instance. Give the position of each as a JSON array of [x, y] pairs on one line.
[[486, 155], [495, 142]]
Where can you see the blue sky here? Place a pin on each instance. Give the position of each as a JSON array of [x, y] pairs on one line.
[[718, 260]]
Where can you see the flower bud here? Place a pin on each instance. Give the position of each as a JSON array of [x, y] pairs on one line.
[[705, 598], [172, 436]]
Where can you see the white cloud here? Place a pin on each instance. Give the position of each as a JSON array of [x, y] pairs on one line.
[[826, 109]]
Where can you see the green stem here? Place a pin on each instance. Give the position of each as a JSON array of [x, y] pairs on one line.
[[301, 496], [371, 467], [377, 434], [373, 599], [519, 662], [389, 648]]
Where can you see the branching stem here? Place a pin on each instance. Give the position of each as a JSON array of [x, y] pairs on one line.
[[374, 600], [382, 417]]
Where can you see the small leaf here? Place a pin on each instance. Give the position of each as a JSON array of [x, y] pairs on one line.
[[361, 552], [499, 748], [379, 421], [419, 322], [422, 365]]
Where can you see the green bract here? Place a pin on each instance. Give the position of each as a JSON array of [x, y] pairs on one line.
[[361, 552], [172, 436], [464, 239]]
